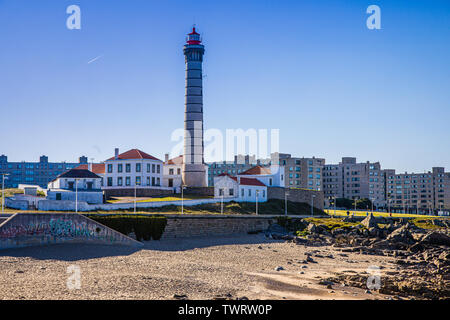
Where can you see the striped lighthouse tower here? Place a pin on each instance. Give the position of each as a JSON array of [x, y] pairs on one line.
[[194, 173]]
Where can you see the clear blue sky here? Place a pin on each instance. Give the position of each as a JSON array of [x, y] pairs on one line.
[[310, 68]]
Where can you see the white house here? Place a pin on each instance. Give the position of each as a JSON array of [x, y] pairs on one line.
[[76, 184], [172, 169], [131, 169], [241, 188], [271, 177]]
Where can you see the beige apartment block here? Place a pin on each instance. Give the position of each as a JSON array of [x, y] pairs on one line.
[[353, 180], [418, 192], [305, 173]]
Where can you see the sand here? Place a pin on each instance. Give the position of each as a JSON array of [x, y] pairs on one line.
[[199, 268]]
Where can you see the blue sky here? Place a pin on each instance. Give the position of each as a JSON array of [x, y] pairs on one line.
[[309, 68]]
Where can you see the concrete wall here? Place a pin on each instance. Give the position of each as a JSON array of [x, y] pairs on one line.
[[140, 192], [37, 229], [200, 191], [62, 205], [91, 197], [16, 204], [297, 195], [189, 226]]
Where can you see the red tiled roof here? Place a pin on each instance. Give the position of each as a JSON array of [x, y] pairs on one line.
[[134, 154], [251, 182], [176, 160], [245, 181], [98, 168], [256, 170]]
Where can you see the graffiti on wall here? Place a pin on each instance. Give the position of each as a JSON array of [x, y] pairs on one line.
[[59, 228]]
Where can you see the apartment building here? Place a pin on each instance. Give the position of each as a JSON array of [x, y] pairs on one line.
[[305, 173], [353, 180], [418, 192], [34, 173]]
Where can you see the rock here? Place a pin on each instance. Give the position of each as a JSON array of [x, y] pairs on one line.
[[180, 296], [326, 282], [401, 234], [309, 259], [300, 240], [312, 228], [279, 268], [370, 222], [438, 223], [436, 238], [277, 232], [368, 291]]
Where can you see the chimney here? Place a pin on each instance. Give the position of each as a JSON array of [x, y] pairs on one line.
[[116, 153], [166, 158]]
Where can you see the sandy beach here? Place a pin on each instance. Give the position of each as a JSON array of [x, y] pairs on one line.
[[233, 267]]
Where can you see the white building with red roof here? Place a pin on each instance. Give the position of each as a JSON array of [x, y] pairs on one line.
[[272, 176], [133, 168], [241, 188]]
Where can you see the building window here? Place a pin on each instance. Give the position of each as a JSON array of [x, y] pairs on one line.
[[127, 181], [158, 182], [110, 168], [138, 167], [119, 181], [110, 182], [170, 171], [158, 169], [148, 181], [242, 192], [119, 167], [231, 192], [179, 171], [153, 181], [220, 192], [127, 167], [153, 168], [249, 192], [138, 181]]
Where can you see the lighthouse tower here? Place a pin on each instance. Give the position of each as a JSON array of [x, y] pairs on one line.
[[193, 173]]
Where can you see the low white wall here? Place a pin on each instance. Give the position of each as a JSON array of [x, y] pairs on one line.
[[16, 204], [62, 205]]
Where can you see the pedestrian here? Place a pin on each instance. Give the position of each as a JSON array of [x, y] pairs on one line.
[[348, 213]]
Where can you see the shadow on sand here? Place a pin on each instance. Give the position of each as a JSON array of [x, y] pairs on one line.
[[190, 243], [74, 252], [70, 251]]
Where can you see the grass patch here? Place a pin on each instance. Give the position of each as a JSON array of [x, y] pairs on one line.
[[361, 213], [331, 224], [425, 223]]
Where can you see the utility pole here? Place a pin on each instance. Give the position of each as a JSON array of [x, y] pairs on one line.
[[3, 190], [312, 204], [76, 195]]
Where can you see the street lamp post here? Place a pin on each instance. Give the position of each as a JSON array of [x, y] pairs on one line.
[[285, 202], [221, 204], [182, 199], [257, 192], [335, 199], [76, 195], [3, 190], [312, 204]]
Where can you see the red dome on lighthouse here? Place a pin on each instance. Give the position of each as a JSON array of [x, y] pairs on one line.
[[193, 37]]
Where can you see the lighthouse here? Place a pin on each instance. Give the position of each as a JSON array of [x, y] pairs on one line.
[[193, 172]]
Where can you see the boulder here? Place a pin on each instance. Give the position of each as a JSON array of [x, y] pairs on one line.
[[370, 222], [436, 238], [401, 234], [312, 228], [275, 231]]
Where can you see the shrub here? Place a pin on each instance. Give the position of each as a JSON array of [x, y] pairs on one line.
[[145, 227], [291, 224]]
